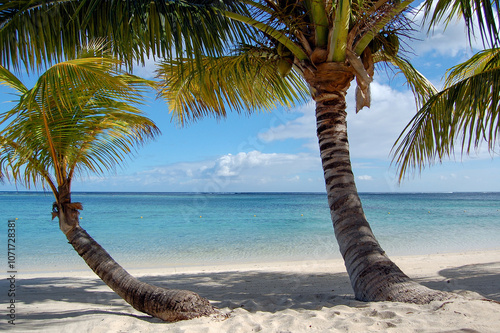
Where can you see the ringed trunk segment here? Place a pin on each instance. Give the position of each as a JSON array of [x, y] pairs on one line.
[[167, 304], [67, 214], [374, 277]]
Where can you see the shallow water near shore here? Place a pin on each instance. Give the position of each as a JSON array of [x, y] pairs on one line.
[[181, 229]]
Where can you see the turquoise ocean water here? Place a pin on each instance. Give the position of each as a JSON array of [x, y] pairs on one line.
[[177, 229]]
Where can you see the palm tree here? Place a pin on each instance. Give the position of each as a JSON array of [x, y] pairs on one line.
[[467, 110], [328, 45], [78, 118]]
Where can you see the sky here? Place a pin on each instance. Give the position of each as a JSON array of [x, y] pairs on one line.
[[277, 151]]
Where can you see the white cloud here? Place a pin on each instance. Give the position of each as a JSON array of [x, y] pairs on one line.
[[372, 132], [443, 39], [252, 171], [299, 128], [365, 177], [449, 42], [147, 70]]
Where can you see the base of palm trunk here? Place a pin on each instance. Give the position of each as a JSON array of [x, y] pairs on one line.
[[383, 280], [166, 304], [407, 292], [174, 305]]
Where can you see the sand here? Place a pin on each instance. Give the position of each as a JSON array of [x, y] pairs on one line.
[[268, 297]]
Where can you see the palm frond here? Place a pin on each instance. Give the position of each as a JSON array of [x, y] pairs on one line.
[[484, 12], [384, 15], [37, 33], [247, 82], [340, 30], [9, 79], [467, 112], [80, 116], [273, 30], [478, 63], [23, 168], [319, 16], [421, 87]]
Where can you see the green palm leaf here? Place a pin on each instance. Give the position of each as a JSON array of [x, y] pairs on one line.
[[37, 33], [9, 79], [247, 82], [466, 111], [421, 87], [484, 12]]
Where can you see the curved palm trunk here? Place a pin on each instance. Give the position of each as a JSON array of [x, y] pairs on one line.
[[167, 304], [374, 277]]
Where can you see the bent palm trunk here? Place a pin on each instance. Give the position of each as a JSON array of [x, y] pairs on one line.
[[166, 304], [374, 277]]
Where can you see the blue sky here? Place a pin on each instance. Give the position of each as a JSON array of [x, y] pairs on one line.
[[278, 151]]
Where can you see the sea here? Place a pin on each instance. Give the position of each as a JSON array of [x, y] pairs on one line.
[[196, 229]]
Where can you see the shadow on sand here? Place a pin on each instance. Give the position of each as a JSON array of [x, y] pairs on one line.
[[275, 291], [480, 278]]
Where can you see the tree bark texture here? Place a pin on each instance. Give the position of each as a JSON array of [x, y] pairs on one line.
[[167, 304], [374, 277]]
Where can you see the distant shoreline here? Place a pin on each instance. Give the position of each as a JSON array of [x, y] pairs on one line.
[[247, 193]]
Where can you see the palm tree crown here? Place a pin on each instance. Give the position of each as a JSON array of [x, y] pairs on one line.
[[293, 40], [79, 117]]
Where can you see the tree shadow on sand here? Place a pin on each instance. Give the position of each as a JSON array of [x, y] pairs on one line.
[[479, 278], [250, 290]]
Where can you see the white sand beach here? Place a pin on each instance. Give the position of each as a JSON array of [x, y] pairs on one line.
[[281, 297]]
